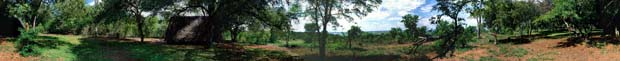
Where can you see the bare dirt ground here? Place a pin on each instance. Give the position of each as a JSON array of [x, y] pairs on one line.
[[7, 52], [547, 49]]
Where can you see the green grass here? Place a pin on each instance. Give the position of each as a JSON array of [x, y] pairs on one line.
[[51, 48], [509, 51], [100, 49], [77, 48], [488, 58]]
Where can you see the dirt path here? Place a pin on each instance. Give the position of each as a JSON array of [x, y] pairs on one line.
[[547, 49]]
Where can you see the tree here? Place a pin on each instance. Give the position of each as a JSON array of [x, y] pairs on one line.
[[580, 16], [507, 15], [452, 9], [328, 11], [27, 12], [135, 8], [311, 29], [410, 22], [565, 13], [71, 21], [396, 34], [353, 34]]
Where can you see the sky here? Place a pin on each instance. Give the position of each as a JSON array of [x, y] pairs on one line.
[[389, 14], [90, 2], [386, 16]]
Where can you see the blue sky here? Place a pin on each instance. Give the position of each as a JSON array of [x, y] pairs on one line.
[[385, 16], [90, 2]]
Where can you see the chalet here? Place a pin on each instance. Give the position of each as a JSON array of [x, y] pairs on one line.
[[182, 29], [8, 26]]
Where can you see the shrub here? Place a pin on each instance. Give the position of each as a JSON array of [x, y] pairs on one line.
[[26, 44]]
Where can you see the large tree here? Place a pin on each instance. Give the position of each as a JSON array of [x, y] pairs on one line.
[[116, 9], [507, 15], [27, 12], [329, 11], [353, 34], [451, 9], [71, 20], [410, 22]]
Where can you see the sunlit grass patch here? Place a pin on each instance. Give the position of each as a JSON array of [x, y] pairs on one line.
[[508, 50]]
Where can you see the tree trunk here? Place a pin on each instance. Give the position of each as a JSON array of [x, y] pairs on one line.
[[34, 23], [288, 35], [234, 34], [349, 42], [323, 38], [140, 21], [616, 32], [322, 42], [529, 31], [479, 28]]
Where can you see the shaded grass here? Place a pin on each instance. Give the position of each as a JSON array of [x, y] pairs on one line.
[[101, 49], [49, 48]]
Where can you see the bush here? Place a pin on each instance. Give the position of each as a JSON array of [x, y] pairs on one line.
[[26, 44]]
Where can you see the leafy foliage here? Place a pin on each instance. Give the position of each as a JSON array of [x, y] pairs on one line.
[[353, 34], [27, 45]]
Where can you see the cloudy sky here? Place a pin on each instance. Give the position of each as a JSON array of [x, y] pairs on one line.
[[386, 16], [389, 14]]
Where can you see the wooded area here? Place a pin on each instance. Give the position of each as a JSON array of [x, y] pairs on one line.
[[263, 30]]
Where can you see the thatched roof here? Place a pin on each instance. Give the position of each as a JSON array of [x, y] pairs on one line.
[[8, 27]]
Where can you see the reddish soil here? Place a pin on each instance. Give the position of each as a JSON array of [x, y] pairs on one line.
[[547, 49], [7, 52]]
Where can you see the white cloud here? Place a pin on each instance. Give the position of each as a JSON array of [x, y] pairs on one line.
[[389, 14], [386, 16], [426, 22], [470, 21], [90, 3], [427, 8], [401, 7]]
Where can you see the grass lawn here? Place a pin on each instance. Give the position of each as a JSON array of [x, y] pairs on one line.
[[78, 48]]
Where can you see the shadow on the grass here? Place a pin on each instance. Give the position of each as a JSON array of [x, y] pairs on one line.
[[48, 42], [515, 41], [38, 44], [106, 49], [591, 41], [525, 39]]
